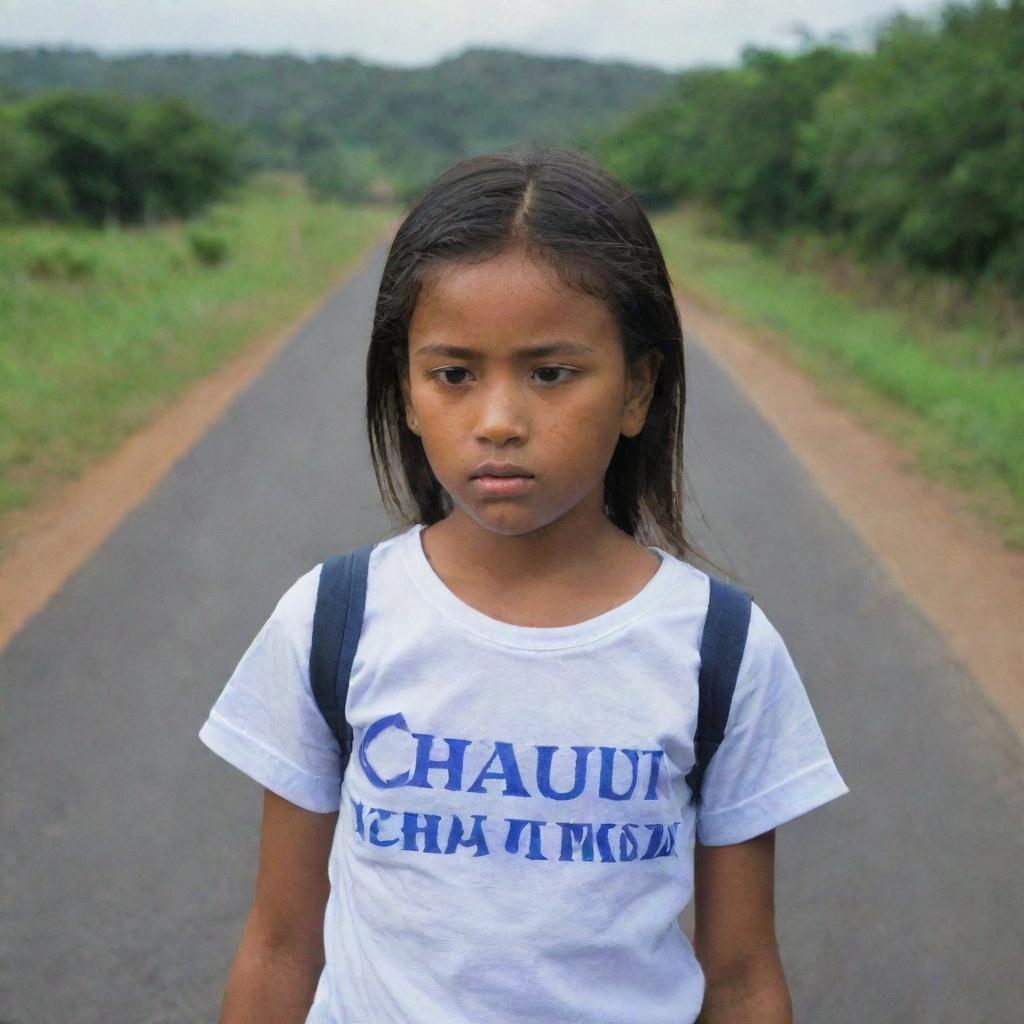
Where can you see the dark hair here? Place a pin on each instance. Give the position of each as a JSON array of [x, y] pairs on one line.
[[561, 208]]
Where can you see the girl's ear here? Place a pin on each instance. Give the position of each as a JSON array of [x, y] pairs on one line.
[[410, 417], [643, 372]]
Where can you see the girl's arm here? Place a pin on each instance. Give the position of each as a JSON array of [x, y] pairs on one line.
[[280, 956], [734, 934]]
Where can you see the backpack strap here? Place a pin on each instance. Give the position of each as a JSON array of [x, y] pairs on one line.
[[337, 623], [721, 650]]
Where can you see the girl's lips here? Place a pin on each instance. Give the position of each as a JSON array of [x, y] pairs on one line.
[[503, 485]]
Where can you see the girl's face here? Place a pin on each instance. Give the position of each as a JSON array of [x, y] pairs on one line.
[[508, 365]]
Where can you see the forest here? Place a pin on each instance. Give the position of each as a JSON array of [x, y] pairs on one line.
[[347, 124], [913, 151]]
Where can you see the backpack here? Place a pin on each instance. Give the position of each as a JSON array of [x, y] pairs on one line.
[[338, 619]]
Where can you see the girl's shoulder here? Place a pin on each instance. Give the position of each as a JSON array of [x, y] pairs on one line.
[[295, 607], [762, 635], [297, 604], [310, 578], [767, 667]]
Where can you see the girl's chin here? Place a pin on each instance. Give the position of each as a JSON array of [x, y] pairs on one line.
[[507, 521], [502, 518]]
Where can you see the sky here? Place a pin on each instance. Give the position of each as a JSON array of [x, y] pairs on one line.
[[670, 34]]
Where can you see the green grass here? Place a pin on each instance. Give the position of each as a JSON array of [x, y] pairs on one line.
[[934, 390], [101, 328]]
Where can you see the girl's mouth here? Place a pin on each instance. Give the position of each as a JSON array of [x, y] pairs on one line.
[[503, 486]]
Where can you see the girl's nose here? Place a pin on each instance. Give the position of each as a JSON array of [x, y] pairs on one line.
[[502, 414]]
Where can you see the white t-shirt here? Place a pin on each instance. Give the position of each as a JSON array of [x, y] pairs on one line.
[[515, 837]]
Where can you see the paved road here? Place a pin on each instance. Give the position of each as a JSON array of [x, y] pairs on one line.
[[128, 850]]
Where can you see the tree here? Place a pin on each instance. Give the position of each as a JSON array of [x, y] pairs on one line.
[[920, 148], [96, 158], [83, 137]]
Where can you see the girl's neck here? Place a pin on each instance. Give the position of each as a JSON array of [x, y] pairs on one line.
[[570, 549]]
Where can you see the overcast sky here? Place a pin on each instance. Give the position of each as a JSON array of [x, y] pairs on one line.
[[671, 34]]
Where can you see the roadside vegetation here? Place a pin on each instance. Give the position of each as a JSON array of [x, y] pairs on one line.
[[100, 328], [932, 375]]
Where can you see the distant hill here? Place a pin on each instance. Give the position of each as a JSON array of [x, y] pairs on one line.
[[416, 120]]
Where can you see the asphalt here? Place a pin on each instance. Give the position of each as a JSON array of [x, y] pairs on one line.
[[128, 850]]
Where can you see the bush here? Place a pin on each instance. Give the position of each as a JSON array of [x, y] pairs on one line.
[[62, 262], [207, 247]]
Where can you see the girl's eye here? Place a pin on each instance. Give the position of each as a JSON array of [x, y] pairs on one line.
[[449, 369], [555, 369]]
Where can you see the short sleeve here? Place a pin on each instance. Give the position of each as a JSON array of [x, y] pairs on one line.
[[773, 763], [266, 721]]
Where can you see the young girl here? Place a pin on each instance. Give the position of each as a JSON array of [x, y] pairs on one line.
[[513, 838]]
